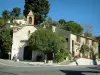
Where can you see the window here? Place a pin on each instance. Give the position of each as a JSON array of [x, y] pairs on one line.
[[72, 45], [66, 39], [78, 39], [93, 43], [87, 41]]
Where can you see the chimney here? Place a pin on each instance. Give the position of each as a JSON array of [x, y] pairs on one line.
[[53, 28]]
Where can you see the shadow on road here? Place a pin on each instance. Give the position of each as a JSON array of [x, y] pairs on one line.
[[73, 72], [6, 73], [96, 67]]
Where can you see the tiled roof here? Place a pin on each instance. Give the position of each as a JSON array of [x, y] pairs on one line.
[[63, 32]]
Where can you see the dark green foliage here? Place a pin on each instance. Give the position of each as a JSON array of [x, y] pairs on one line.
[[5, 15], [39, 7], [63, 44], [1, 22], [59, 57], [49, 23], [14, 14], [11, 15], [16, 11], [5, 41], [70, 26], [46, 41], [73, 27], [62, 22]]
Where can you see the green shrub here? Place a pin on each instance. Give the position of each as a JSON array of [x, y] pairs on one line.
[[1, 22], [60, 56], [97, 55]]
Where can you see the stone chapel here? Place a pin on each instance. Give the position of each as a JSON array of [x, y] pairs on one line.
[[20, 47]]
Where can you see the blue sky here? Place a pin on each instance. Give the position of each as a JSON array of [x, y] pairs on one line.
[[84, 12]]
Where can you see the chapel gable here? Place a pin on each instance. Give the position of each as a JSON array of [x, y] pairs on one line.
[[30, 18]]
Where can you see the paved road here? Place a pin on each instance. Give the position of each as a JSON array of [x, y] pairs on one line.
[[49, 70]]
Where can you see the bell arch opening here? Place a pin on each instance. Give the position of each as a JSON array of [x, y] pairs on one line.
[[30, 20]]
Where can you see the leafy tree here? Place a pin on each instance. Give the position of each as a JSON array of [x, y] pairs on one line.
[[60, 56], [39, 7], [1, 22], [14, 14], [48, 43], [49, 23], [12, 17], [62, 22], [5, 15], [6, 41], [63, 53], [73, 27], [16, 11]]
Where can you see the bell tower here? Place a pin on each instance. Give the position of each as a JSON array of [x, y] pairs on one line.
[[30, 18]]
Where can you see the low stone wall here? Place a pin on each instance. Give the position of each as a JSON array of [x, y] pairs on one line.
[[84, 61]]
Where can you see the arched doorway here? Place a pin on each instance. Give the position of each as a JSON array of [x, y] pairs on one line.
[[27, 53], [30, 20]]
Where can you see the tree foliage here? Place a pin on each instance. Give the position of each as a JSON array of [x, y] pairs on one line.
[[14, 14], [46, 41], [49, 23], [1, 22], [62, 22], [60, 56], [5, 15], [6, 41], [39, 7], [11, 14], [84, 49], [73, 27], [16, 11]]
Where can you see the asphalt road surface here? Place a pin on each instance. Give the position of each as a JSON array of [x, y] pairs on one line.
[[47, 70], [24, 69]]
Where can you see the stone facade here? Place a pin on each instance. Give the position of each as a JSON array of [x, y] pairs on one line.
[[20, 38], [76, 41]]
